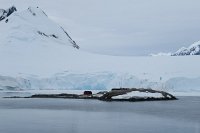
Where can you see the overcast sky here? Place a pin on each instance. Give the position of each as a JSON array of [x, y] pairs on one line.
[[123, 27]]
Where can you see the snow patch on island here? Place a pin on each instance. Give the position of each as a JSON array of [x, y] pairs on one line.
[[138, 94]]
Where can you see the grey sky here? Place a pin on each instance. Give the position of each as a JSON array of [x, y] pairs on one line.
[[124, 27]]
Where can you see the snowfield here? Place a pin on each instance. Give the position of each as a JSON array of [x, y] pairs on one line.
[[37, 54], [138, 94]]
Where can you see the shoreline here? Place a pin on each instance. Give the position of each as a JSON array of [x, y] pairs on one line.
[[32, 92]]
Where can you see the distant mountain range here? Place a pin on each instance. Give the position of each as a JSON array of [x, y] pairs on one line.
[[193, 49]]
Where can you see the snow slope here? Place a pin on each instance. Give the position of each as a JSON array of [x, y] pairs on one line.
[[33, 26], [36, 53]]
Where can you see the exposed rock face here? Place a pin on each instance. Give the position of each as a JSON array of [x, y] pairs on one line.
[[2, 14], [11, 10], [5, 13], [71, 40]]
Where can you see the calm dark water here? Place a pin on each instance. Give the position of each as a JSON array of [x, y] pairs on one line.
[[91, 116]]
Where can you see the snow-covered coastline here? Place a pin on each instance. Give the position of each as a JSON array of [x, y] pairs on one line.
[[36, 57]]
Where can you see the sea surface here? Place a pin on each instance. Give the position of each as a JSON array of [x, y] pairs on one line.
[[93, 116]]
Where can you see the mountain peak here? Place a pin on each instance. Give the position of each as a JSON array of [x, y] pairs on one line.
[[193, 49], [32, 26]]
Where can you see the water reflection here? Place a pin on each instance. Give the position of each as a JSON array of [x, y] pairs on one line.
[[91, 116]]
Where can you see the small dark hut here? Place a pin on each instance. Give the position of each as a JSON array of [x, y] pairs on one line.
[[87, 93]]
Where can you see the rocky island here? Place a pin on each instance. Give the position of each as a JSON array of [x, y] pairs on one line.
[[116, 94]]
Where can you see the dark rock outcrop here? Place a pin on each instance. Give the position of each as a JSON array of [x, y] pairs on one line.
[[2, 14], [5, 13], [71, 40], [43, 34], [11, 10]]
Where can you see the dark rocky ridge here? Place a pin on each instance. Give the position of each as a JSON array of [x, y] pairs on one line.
[[5, 13]]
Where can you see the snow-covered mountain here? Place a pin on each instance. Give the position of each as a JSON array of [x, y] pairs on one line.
[[193, 49], [36, 53], [33, 26]]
